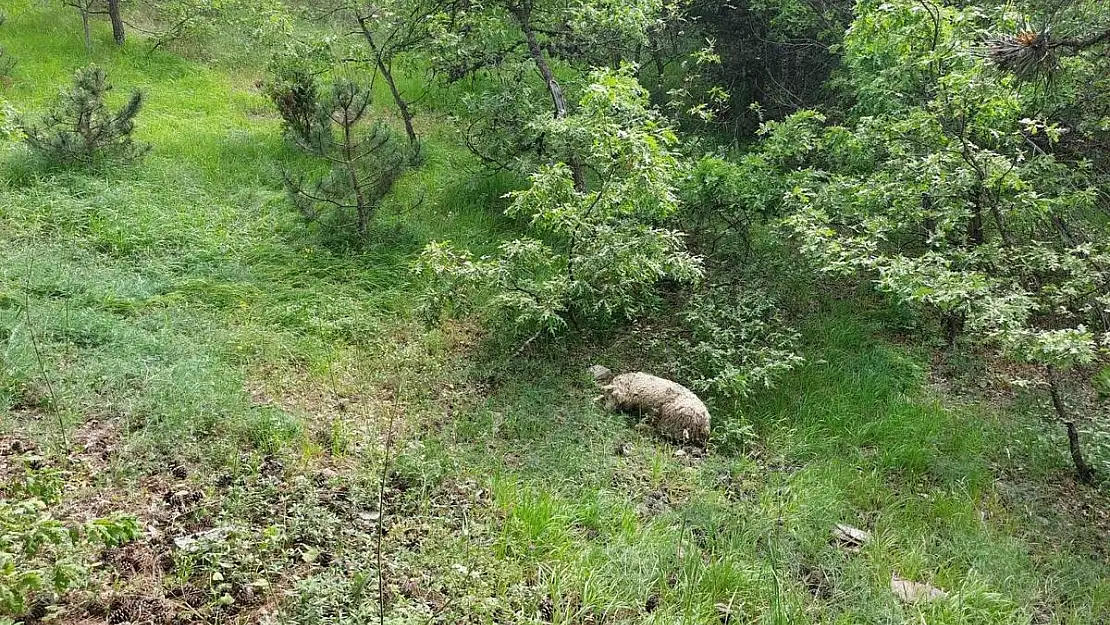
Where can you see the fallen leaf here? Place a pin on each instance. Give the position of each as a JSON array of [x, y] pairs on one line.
[[851, 538]]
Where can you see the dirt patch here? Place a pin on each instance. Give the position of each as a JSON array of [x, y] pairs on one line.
[[1061, 511], [95, 442]]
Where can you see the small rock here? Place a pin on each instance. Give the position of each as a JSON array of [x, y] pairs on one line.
[[849, 537], [213, 535], [680, 453], [914, 592]]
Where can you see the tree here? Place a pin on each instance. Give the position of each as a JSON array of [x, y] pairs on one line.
[[86, 8], [80, 129], [511, 40], [385, 31], [388, 30], [118, 33], [254, 22], [364, 157], [89, 8], [595, 254], [947, 193]]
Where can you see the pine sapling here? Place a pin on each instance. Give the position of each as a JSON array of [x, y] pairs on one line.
[[80, 129], [366, 156]]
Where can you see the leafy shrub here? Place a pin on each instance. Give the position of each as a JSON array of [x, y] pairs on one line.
[[80, 129], [594, 254], [737, 341], [958, 200], [193, 23], [730, 342], [724, 200], [39, 553]]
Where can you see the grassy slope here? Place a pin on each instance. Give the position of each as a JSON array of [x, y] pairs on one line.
[[187, 318]]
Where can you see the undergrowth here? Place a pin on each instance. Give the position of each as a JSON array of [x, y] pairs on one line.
[[181, 347]]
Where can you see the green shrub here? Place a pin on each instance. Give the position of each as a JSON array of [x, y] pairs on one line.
[[592, 255], [40, 554], [80, 129], [334, 125]]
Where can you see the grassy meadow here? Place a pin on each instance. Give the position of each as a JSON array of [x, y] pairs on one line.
[[178, 345]]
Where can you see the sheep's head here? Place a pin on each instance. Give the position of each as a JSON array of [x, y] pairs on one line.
[[600, 374]]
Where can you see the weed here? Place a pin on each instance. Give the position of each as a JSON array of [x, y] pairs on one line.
[[42, 557]]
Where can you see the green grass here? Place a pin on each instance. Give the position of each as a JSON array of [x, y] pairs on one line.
[[182, 309]]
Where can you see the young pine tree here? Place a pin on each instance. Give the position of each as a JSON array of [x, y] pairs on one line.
[[366, 156], [80, 129]]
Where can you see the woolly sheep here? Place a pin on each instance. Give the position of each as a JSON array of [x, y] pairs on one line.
[[672, 409]]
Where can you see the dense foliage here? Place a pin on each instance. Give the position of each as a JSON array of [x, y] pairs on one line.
[[597, 252], [949, 190]]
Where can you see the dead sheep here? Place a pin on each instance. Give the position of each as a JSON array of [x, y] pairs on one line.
[[671, 409]]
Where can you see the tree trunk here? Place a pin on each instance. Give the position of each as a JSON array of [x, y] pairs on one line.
[[558, 98], [953, 327], [402, 105], [1000, 222], [1083, 470], [85, 25], [975, 228], [363, 211], [118, 33], [660, 68], [387, 74]]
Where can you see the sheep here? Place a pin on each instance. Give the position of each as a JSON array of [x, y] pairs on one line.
[[672, 409]]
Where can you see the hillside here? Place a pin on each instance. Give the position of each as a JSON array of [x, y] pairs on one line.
[[297, 445]]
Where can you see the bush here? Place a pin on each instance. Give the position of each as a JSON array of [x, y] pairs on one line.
[[731, 342], [366, 156], [81, 130], [592, 255]]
